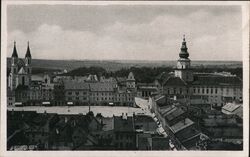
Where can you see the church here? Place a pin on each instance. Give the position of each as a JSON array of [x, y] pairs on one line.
[[20, 74], [201, 88], [20, 87]]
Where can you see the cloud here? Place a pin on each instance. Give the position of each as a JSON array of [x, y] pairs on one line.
[[209, 36]]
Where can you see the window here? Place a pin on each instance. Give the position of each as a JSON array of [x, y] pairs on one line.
[[194, 90], [212, 90], [198, 90], [207, 90], [202, 90], [180, 90], [77, 93], [215, 90], [69, 93]]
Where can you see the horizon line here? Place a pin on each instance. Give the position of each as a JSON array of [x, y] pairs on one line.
[[157, 60]]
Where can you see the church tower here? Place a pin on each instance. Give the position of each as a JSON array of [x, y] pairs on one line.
[[28, 62], [183, 69], [14, 68], [130, 82]]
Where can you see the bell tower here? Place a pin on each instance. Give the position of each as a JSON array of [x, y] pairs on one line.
[[183, 69]]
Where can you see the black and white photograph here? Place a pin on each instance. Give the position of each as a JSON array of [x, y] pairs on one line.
[[125, 77]]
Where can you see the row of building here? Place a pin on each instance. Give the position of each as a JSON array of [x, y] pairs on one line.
[[194, 127], [65, 90], [182, 84], [41, 131]]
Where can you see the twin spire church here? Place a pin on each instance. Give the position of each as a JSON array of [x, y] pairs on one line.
[[20, 73]]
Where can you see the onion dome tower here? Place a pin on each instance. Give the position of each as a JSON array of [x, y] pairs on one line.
[[183, 64]]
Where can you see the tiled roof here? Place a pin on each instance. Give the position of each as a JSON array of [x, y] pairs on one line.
[[76, 85], [20, 63], [123, 125], [216, 80], [174, 81], [102, 86], [174, 113], [182, 124]]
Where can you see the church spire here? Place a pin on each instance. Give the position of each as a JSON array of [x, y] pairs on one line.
[[184, 53], [14, 54], [28, 55]]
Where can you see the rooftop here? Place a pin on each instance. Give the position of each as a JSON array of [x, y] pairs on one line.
[[123, 125], [102, 86], [174, 113], [75, 85], [174, 81], [231, 107], [216, 80], [182, 124]]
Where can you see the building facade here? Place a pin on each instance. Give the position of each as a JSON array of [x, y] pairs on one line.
[[201, 88]]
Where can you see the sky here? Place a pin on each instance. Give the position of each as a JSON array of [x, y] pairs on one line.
[[129, 32]]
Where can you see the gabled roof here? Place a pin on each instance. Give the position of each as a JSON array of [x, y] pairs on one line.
[[175, 81], [22, 71]]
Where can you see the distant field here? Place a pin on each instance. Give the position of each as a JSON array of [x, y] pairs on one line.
[[114, 65]]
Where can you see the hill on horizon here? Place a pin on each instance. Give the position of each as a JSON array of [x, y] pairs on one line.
[[114, 65]]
